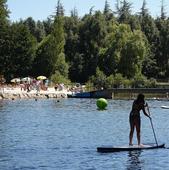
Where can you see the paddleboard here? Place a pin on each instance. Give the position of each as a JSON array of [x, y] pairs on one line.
[[165, 107], [108, 149]]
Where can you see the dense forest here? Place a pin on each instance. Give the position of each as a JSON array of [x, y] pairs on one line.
[[104, 48]]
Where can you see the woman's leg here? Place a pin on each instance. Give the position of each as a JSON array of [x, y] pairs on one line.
[[131, 131], [138, 124]]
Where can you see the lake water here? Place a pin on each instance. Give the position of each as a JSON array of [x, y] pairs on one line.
[[63, 135]]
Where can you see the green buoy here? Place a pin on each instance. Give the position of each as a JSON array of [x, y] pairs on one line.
[[101, 103]]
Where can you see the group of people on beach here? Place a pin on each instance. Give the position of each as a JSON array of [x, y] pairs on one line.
[[34, 85]]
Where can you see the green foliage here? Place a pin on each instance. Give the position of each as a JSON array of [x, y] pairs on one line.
[[4, 13], [40, 31], [110, 56], [162, 53], [107, 11], [150, 68], [4, 35], [31, 25], [126, 52], [20, 46], [124, 11], [58, 78], [110, 82], [133, 54], [50, 53], [92, 38], [37, 29], [118, 80], [43, 63], [89, 86], [139, 81], [151, 83], [71, 47], [144, 10], [50, 56], [47, 26], [59, 9], [99, 79], [5, 44], [120, 50], [76, 68], [58, 42], [163, 13]]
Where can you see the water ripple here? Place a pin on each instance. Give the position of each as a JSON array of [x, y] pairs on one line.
[[64, 135]]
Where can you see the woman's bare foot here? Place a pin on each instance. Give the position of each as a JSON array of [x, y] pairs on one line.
[[141, 145]]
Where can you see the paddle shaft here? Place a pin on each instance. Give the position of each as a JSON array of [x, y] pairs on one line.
[[153, 132], [152, 127]]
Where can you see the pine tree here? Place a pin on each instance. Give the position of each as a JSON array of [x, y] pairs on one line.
[[144, 10], [57, 45], [4, 12], [124, 11], [59, 9], [106, 8], [4, 35], [74, 13], [50, 58], [107, 11], [163, 13]]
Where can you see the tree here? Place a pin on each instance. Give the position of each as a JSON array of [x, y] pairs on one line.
[[57, 44], [74, 13], [163, 13], [5, 45], [47, 26], [132, 55], [144, 10], [125, 53], [150, 29], [4, 35], [124, 12], [111, 54], [20, 52], [71, 27], [148, 25], [118, 80], [59, 9], [4, 13], [37, 29], [31, 25], [40, 31], [92, 38], [99, 79], [162, 52], [107, 11], [43, 63], [50, 53]]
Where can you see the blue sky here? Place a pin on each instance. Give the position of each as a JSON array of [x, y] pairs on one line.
[[41, 9]]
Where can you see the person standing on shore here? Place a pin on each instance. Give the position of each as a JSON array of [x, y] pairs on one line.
[[134, 117]]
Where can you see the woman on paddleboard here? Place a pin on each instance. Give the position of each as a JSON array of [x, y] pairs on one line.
[[134, 118]]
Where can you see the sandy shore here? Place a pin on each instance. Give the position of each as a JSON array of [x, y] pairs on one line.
[[16, 93]]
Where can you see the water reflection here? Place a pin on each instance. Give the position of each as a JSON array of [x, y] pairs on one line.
[[1, 104], [133, 161]]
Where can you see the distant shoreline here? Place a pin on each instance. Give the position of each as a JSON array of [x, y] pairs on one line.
[[16, 93]]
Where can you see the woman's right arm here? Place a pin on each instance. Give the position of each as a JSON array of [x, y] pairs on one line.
[[144, 111]]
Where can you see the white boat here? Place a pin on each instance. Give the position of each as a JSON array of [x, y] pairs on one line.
[[165, 107]]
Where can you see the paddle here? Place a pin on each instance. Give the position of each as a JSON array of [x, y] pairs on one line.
[[152, 126]]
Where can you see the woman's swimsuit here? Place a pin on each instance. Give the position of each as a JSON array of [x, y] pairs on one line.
[[135, 113]]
